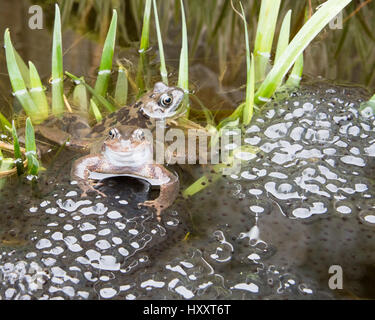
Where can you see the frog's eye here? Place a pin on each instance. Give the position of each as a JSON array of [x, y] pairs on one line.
[[114, 133], [139, 134], [165, 100]]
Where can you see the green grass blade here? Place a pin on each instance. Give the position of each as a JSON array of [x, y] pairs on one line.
[[17, 81], [57, 67], [4, 122], [145, 28], [95, 110], [141, 74], [220, 19], [121, 91], [142, 64], [183, 72], [66, 10], [6, 164], [204, 181], [295, 76], [17, 150], [163, 68], [104, 74], [216, 173], [80, 97], [248, 108], [284, 35], [370, 103], [301, 40], [101, 99], [34, 168], [37, 92], [269, 11], [30, 146], [23, 68]]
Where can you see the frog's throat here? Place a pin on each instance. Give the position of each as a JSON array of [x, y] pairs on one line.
[[137, 157]]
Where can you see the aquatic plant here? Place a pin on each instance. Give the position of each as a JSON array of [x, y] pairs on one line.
[[369, 104], [248, 108], [18, 83], [37, 91], [163, 67], [286, 55], [215, 29], [301, 40], [26, 83], [97, 96], [144, 45], [29, 90], [102, 81], [6, 164], [57, 67], [121, 90], [257, 91], [183, 72], [269, 10], [24, 158]]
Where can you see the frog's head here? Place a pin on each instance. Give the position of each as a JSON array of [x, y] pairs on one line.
[[127, 146], [162, 102]]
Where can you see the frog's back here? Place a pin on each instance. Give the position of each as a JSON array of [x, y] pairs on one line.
[[127, 115]]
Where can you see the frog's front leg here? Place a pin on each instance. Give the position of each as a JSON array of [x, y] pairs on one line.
[[169, 188], [81, 171]]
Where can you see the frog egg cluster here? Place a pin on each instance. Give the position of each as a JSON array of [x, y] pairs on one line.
[[79, 249], [90, 249], [304, 202], [315, 156]]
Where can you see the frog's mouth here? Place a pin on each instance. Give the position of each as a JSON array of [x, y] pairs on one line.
[[138, 156]]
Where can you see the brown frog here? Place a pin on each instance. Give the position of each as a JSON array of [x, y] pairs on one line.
[[126, 151], [161, 103]]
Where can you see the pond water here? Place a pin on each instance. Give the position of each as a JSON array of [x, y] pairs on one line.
[[303, 203]]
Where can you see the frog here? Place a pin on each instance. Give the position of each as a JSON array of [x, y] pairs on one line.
[[159, 104], [126, 151]]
